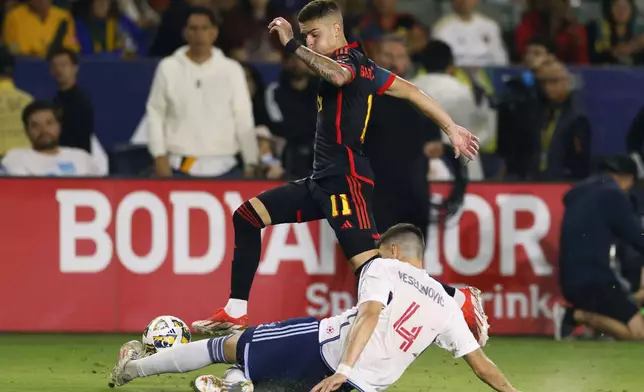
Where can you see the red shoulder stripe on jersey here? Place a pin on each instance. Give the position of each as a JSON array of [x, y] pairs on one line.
[[338, 118], [352, 165], [388, 83], [356, 202], [350, 68]]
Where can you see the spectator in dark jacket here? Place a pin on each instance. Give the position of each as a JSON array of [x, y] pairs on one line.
[[77, 110], [520, 109], [169, 36], [291, 105], [598, 211], [563, 151]]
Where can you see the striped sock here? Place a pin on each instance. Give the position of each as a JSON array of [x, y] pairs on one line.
[[216, 349]]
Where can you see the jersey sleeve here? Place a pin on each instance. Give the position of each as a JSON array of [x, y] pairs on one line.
[[374, 284], [382, 79], [457, 337], [346, 60]]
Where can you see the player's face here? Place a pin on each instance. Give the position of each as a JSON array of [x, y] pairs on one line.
[[43, 130], [200, 32], [322, 35], [63, 70]]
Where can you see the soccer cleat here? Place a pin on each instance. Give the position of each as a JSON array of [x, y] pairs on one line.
[[220, 323], [129, 351], [215, 384], [564, 320], [475, 314]]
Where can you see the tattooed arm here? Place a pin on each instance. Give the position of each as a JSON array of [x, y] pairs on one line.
[[328, 69]]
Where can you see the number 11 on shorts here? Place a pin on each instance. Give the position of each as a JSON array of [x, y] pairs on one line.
[[344, 201]]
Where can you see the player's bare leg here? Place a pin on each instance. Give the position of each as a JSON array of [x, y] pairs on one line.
[[248, 220]]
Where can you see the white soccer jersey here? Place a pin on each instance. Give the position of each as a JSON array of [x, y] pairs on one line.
[[417, 312], [70, 162]]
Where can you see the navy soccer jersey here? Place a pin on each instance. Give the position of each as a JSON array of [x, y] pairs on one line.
[[343, 116]]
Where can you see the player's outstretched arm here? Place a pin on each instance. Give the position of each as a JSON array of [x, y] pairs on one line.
[[325, 67], [359, 335], [462, 140], [487, 371]]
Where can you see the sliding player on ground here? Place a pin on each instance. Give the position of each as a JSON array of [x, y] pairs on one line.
[[401, 311]]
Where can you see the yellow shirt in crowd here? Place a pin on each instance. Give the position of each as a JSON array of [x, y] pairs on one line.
[[12, 102], [25, 33]]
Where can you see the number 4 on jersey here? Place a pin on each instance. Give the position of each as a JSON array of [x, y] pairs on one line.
[[409, 336]]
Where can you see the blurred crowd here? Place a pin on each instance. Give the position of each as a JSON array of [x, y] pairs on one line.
[[210, 113]]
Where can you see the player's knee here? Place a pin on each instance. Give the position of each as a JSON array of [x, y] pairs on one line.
[[246, 214]]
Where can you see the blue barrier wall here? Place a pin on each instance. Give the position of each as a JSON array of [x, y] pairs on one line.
[[119, 90]]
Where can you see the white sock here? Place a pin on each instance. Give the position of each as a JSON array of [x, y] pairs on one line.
[[236, 307], [460, 298], [234, 374], [180, 359]]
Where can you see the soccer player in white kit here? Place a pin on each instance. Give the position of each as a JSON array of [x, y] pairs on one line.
[[401, 311]]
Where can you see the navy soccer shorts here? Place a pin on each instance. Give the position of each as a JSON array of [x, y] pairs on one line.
[[283, 356]]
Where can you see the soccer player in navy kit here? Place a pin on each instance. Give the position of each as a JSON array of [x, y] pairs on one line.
[[340, 188]]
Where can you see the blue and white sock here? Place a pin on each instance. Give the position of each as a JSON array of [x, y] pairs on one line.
[[216, 349], [180, 359]]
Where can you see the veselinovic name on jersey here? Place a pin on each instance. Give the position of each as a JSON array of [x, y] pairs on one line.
[[426, 290]]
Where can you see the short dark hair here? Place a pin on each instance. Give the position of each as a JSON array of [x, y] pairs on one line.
[[73, 56], [202, 11], [317, 9], [38, 105], [437, 56], [400, 229], [543, 41]]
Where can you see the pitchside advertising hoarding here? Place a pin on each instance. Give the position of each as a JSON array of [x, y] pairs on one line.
[[110, 255]]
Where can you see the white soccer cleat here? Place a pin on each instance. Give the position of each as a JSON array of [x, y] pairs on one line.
[[129, 351], [475, 314], [209, 383]]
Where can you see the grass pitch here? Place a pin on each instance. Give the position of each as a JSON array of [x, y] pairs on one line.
[[50, 362]]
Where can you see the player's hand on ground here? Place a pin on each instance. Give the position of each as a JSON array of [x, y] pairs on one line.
[[332, 383], [464, 142], [283, 29]]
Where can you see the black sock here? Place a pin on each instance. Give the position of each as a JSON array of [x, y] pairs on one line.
[[450, 290], [248, 249]]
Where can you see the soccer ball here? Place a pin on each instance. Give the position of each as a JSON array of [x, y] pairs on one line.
[[165, 332]]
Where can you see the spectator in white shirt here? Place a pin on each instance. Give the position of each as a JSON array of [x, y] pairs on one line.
[[475, 39], [454, 96], [46, 157], [199, 111]]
